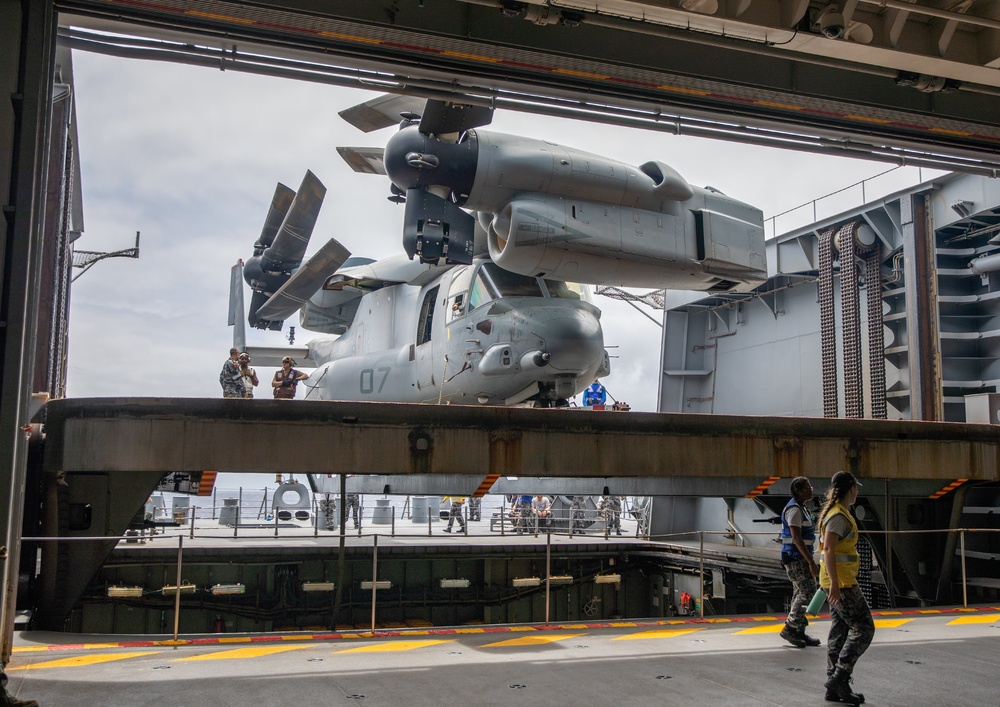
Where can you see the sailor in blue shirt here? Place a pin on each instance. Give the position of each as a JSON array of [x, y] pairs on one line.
[[797, 535], [595, 394]]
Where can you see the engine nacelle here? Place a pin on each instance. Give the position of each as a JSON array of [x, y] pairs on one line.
[[598, 243]]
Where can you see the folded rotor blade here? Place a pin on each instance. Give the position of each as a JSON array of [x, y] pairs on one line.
[[303, 284], [441, 118], [280, 202], [364, 160], [289, 246], [381, 112]]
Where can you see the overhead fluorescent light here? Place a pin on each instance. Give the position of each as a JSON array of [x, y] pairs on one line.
[[608, 579], [120, 592], [380, 584], [171, 589], [561, 579], [317, 586], [228, 589], [455, 583], [526, 581]]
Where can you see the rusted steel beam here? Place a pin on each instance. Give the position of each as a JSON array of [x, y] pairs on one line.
[[161, 434]]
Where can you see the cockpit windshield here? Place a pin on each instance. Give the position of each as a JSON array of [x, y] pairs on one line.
[[489, 282], [568, 290], [507, 284]]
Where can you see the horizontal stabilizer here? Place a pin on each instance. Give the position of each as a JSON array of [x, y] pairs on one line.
[[364, 160], [300, 287], [270, 356], [381, 112], [292, 238], [280, 202]]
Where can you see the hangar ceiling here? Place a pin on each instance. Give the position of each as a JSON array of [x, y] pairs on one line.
[[902, 81]]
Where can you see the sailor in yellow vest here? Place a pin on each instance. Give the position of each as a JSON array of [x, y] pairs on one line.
[[455, 512], [852, 629]]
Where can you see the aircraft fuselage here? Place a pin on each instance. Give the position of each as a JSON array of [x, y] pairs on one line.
[[473, 334]]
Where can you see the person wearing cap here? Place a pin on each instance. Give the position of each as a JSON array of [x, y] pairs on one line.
[[248, 374], [286, 379], [797, 535], [231, 379], [852, 628]]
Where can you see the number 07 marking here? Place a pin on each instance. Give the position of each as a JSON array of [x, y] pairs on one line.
[[368, 379]]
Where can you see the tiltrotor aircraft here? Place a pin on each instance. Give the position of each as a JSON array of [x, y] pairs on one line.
[[491, 306]]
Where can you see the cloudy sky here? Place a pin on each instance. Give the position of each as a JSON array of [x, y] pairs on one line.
[[190, 157]]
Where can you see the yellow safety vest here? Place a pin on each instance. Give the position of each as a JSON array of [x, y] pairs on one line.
[[845, 553]]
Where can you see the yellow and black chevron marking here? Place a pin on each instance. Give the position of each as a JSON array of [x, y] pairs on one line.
[[393, 646], [947, 489], [268, 644], [762, 487], [206, 483], [80, 660], [484, 488]]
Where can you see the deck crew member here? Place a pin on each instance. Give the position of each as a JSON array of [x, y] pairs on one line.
[[852, 629], [455, 512], [286, 379], [797, 535], [595, 394], [230, 378]]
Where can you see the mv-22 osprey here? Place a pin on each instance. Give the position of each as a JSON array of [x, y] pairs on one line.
[[491, 306]]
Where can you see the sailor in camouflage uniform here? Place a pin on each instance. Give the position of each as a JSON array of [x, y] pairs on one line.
[[852, 628]]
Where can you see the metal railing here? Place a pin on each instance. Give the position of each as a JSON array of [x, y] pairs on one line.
[[376, 585]]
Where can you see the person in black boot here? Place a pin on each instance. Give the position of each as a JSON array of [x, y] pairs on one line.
[[852, 628], [797, 535]]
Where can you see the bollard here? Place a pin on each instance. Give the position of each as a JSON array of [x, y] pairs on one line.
[[701, 591], [392, 531], [374, 577], [177, 594], [236, 525], [965, 590], [194, 512]]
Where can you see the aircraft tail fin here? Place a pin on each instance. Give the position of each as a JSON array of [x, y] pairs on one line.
[[237, 311]]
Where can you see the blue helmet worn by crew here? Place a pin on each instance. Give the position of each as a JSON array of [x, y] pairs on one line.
[[595, 394]]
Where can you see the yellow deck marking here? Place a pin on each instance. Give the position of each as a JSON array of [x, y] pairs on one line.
[[236, 653], [390, 646], [984, 619], [78, 660], [533, 640], [891, 623], [671, 633], [776, 628]]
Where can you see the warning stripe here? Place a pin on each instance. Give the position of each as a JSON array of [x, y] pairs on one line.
[[206, 483], [990, 612], [950, 487], [762, 487], [484, 488]]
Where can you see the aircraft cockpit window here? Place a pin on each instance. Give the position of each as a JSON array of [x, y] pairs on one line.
[[481, 292], [457, 291], [568, 290], [508, 284]]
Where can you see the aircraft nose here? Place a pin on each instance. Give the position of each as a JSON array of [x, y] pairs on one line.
[[573, 340]]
